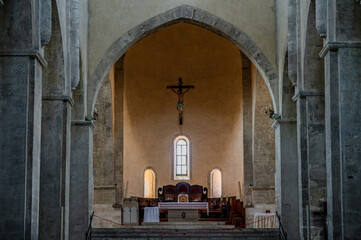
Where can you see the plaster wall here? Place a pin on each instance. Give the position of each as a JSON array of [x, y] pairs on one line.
[[83, 32], [281, 43], [111, 19], [282, 32], [212, 112]]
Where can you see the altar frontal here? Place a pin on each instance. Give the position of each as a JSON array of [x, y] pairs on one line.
[[183, 211]]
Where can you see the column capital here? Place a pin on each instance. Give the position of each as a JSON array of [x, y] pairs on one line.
[[32, 53], [278, 122], [334, 46], [83, 123], [63, 98], [307, 93]]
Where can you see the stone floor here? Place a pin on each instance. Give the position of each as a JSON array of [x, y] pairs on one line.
[[184, 231]]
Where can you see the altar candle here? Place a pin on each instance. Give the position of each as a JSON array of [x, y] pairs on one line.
[[221, 199], [226, 198]]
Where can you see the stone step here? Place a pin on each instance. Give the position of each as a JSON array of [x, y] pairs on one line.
[[165, 234], [186, 225]]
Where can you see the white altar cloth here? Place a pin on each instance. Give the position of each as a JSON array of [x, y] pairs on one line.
[[151, 214], [184, 205], [264, 220]]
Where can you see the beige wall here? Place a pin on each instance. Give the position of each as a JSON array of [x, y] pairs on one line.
[[109, 19], [282, 32], [212, 115]]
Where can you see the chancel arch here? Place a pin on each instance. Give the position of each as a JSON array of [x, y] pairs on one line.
[[135, 99], [192, 15]]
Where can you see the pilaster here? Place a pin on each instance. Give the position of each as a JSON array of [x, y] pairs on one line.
[[342, 57], [20, 106], [81, 178], [287, 175], [118, 128], [55, 166]]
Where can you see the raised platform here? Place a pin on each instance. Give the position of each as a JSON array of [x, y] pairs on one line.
[[186, 225], [194, 234]]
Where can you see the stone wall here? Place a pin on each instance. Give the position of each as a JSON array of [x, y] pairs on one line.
[[263, 150], [103, 146], [263, 139]]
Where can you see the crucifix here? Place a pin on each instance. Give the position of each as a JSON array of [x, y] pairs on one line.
[[180, 90]]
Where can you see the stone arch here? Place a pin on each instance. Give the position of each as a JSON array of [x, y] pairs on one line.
[[187, 14]]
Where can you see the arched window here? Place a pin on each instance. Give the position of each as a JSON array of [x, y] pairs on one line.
[[181, 158], [149, 184], [215, 183]]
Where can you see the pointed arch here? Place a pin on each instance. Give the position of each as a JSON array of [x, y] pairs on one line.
[[187, 14]]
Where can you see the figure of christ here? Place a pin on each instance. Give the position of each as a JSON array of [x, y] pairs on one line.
[[180, 90]]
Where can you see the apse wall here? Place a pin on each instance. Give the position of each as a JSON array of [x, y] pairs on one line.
[[212, 112]]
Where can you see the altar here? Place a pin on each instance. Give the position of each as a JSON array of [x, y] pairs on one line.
[[183, 211]]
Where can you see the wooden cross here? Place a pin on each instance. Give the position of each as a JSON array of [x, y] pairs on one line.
[[180, 90]]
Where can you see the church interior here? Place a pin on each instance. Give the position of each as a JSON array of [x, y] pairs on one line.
[[187, 119], [224, 119]]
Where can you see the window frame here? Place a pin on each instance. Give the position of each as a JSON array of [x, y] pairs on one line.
[[187, 176]]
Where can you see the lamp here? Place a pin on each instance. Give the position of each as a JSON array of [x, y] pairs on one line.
[[271, 113]]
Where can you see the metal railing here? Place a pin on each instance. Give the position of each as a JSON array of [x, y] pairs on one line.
[[283, 233], [88, 234]]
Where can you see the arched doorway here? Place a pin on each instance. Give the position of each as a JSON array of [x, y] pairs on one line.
[[215, 180], [149, 183]]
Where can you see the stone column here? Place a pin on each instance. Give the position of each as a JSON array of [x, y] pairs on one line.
[[118, 130], [286, 191], [311, 133], [21, 66], [287, 165], [302, 165], [311, 145], [55, 160], [81, 178], [55, 137], [247, 124], [342, 56]]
